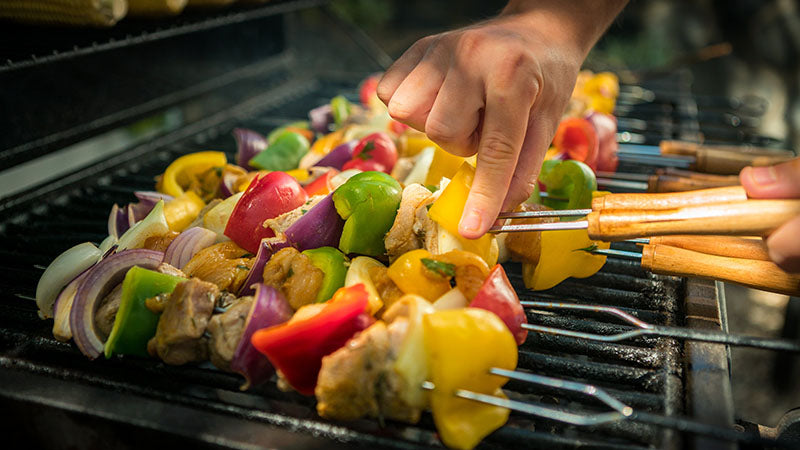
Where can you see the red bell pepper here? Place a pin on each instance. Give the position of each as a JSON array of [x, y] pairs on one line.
[[267, 196], [498, 296], [296, 348], [576, 138], [376, 151], [367, 92], [322, 185]]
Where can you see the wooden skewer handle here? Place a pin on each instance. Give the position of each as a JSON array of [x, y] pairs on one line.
[[690, 149], [728, 163], [667, 260], [730, 246], [670, 183], [675, 172], [747, 218], [669, 200]]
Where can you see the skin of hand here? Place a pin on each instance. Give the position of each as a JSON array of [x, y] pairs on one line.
[[779, 181], [498, 89]]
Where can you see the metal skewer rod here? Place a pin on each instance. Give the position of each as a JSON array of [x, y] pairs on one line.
[[622, 184], [683, 162], [646, 329]]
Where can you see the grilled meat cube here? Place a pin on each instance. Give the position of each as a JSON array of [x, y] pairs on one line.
[[401, 238], [358, 379], [426, 229], [107, 311], [226, 331], [526, 247], [292, 273], [170, 270], [284, 221], [225, 264], [179, 336], [387, 290]]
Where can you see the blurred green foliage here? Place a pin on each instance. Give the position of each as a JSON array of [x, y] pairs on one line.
[[367, 14]]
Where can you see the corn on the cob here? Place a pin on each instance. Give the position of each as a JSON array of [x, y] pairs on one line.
[[155, 8], [65, 12]]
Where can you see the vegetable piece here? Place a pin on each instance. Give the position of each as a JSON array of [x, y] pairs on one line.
[[498, 296], [368, 203], [97, 283], [119, 220], [320, 226], [300, 127], [569, 179], [443, 165], [321, 118], [412, 142], [453, 299], [364, 166], [329, 142], [267, 248], [333, 262], [606, 127], [322, 185], [230, 178], [248, 144], [135, 324], [358, 273], [340, 155], [155, 224], [340, 108], [65, 268], [367, 91], [283, 154], [216, 219], [577, 139], [374, 152], [62, 308], [449, 207], [269, 308], [563, 255], [187, 244], [421, 167], [182, 210], [269, 196], [182, 170], [462, 345], [408, 274], [296, 348]]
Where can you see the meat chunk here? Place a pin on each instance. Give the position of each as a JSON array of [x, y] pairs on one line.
[[169, 269], [358, 379], [107, 311], [281, 223], [225, 264], [226, 330], [526, 247], [426, 229], [161, 242], [387, 289], [179, 335], [401, 238], [292, 273]]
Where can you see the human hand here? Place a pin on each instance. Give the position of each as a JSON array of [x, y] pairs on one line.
[[497, 89], [779, 181]]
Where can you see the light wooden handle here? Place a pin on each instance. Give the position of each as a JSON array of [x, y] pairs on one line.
[[728, 163], [670, 200], [667, 260], [690, 149], [748, 218], [670, 183], [675, 172], [730, 246]]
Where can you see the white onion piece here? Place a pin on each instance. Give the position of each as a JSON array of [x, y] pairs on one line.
[[216, 219], [358, 272], [309, 160], [155, 224], [60, 272], [421, 167], [107, 245], [187, 244], [62, 308], [453, 299], [342, 177]]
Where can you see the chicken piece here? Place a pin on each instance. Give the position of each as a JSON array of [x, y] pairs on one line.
[[401, 238], [226, 331], [403, 167], [107, 311], [225, 264], [160, 243], [281, 223], [169, 269], [387, 290], [426, 229], [358, 379], [179, 335], [292, 273], [526, 247]]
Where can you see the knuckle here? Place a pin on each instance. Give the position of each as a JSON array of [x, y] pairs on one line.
[[497, 150], [439, 130], [470, 41], [398, 110]]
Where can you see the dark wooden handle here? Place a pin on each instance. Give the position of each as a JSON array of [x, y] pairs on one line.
[[667, 260], [747, 218], [670, 183], [728, 163], [730, 246], [670, 200], [690, 149]]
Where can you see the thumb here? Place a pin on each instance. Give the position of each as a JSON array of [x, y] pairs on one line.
[[779, 181]]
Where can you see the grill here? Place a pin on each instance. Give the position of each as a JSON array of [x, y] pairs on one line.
[[62, 400]]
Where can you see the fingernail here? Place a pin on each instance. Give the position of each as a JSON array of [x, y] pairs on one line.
[[471, 222], [763, 176]]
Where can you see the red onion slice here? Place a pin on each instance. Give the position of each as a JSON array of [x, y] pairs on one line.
[[321, 226], [64, 268], [269, 308], [226, 183], [248, 144], [187, 244], [321, 118], [96, 284], [339, 155], [62, 308], [147, 200], [268, 247]]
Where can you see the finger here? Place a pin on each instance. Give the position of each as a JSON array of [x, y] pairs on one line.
[[784, 246], [780, 181], [537, 140], [413, 99], [505, 120], [454, 118], [395, 75]]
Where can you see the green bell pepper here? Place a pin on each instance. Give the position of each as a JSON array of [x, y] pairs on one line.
[[135, 324], [293, 126], [568, 179], [283, 154], [334, 264], [340, 107], [368, 203]]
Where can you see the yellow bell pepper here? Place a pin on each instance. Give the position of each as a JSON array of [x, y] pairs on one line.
[[326, 143], [181, 172], [461, 346], [182, 210], [563, 255], [412, 142], [449, 207], [301, 175], [443, 165], [409, 275]]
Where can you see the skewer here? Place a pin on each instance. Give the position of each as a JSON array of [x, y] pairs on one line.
[[669, 179], [671, 147]]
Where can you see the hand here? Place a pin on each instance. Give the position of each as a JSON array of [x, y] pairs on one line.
[[497, 89], [780, 181]]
